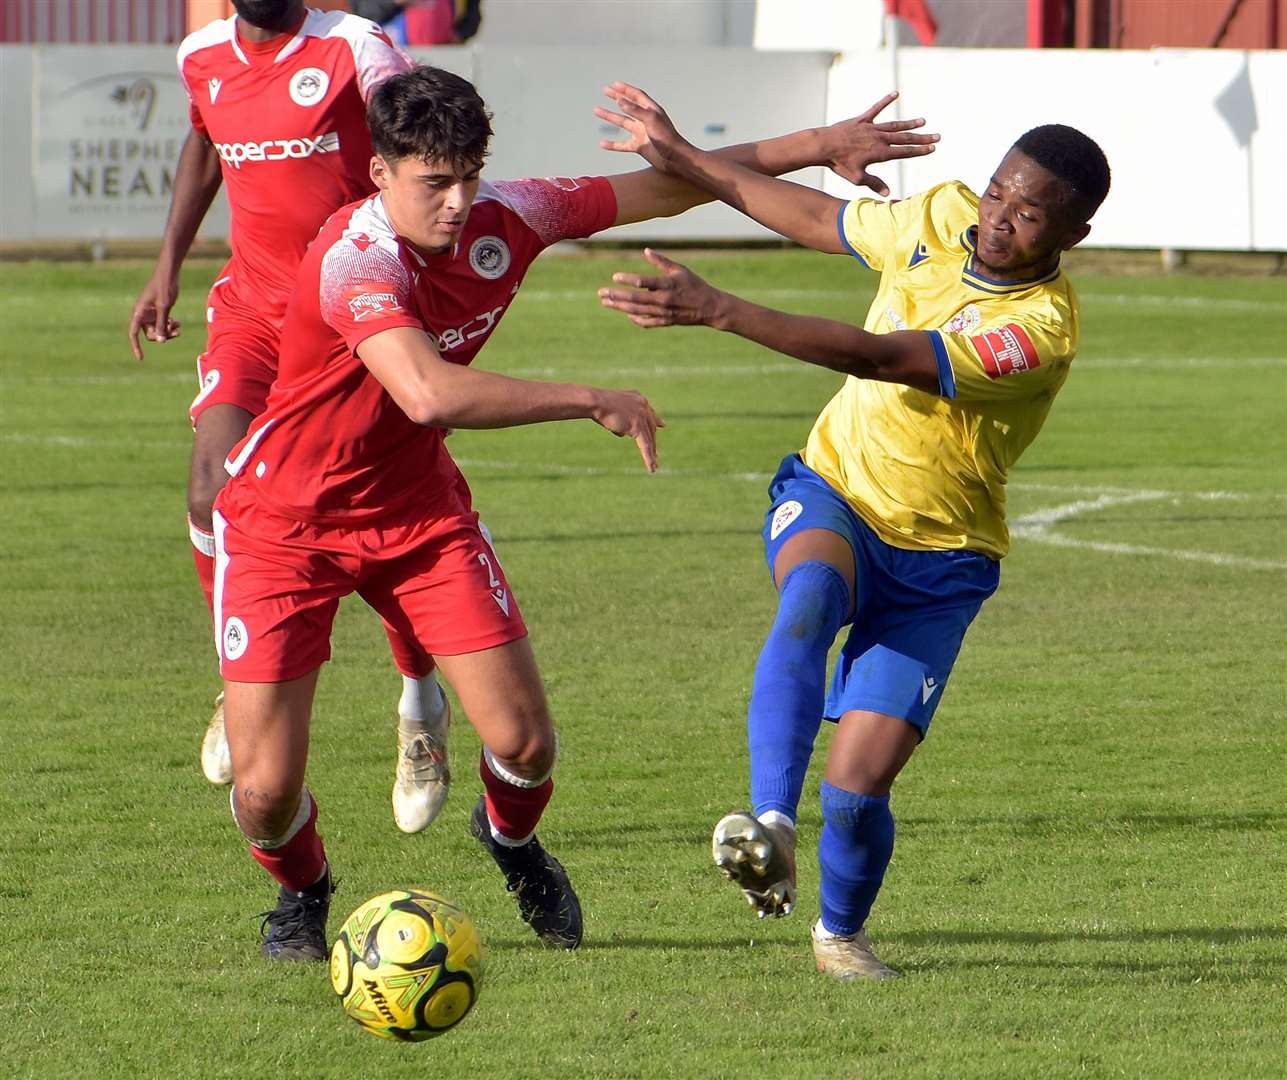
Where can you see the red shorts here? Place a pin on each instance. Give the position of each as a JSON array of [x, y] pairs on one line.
[[430, 574], [240, 361]]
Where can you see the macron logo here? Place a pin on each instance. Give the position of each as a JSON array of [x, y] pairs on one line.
[[215, 86], [278, 149], [928, 686]]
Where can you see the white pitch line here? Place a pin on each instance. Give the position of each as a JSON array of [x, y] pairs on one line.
[[102, 380], [1200, 303], [81, 442], [1037, 525], [776, 368]]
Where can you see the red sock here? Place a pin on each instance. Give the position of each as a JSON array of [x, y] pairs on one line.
[[301, 860], [513, 810], [203, 549]]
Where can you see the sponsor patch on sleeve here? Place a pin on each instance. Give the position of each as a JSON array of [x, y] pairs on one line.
[[367, 301], [1006, 351]]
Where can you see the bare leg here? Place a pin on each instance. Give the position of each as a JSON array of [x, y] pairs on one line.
[[500, 690], [267, 727]]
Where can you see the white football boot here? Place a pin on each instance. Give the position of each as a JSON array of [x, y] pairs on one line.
[[216, 761], [760, 858], [422, 777], [848, 957]]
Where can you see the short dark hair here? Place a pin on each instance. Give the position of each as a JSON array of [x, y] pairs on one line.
[[429, 114], [1073, 157]]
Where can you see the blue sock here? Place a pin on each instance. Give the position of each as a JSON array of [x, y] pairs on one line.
[[790, 683], [853, 852]]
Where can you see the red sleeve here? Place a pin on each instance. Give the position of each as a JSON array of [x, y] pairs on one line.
[[194, 113], [364, 289], [559, 208], [376, 58]]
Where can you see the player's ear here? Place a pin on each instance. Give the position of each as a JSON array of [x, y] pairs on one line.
[[380, 172], [1076, 234]]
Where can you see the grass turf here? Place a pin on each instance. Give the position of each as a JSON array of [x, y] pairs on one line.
[[1089, 877]]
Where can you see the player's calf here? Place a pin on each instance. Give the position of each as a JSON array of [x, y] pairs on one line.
[[504, 822], [546, 899], [759, 856], [295, 857]]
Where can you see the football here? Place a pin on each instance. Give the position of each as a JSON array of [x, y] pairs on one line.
[[407, 965]]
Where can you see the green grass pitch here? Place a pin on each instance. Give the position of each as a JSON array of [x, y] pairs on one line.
[[1091, 871]]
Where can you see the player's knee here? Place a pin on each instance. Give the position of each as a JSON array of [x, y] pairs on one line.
[[527, 755], [263, 808], [849, 810], [204, 484], [813, 602], [864, 774]]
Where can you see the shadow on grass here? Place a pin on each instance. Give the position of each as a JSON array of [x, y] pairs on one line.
[[1044, 824], [650, 944], [1206, 935], [752, 529]]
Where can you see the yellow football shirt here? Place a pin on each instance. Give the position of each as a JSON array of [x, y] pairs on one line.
[[928, 471]]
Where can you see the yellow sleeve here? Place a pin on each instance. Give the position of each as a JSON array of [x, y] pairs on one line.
[[871, 229], [1012, 360]]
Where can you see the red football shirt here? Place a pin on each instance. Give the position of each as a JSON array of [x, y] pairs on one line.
[[288, 118], [332, 445]]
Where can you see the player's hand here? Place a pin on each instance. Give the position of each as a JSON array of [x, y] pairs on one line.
[[627, 412], [649, 132], [152, 313], [851, 145], [677, 298]]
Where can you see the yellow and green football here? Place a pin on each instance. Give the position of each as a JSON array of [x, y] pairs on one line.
[[407, 965]]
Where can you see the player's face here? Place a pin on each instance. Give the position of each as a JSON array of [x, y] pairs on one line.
[[269, 14], [427, 202], [1025, 220]]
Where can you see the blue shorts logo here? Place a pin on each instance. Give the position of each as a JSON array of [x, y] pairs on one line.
[[783, 516]]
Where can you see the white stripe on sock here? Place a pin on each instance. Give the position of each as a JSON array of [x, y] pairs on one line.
[[203, 541]]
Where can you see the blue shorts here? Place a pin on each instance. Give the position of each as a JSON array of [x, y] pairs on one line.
[[911, 608]]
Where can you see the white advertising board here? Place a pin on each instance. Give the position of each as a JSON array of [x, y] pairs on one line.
[[1194, 137], [109, 126]]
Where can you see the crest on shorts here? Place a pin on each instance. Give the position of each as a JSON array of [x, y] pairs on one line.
[[783, 516], [208, 383], [235, 638], [309, 85], [490, 257]]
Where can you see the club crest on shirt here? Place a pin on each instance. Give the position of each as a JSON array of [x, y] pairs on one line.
[[308, 86], [965, 320], [365, 303], [783, 516], [490, 257], [235, 638]]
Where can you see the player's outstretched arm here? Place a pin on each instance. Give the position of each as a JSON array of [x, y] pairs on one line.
[[196, 182], [678, 297], [684, 176], [436, 393]]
